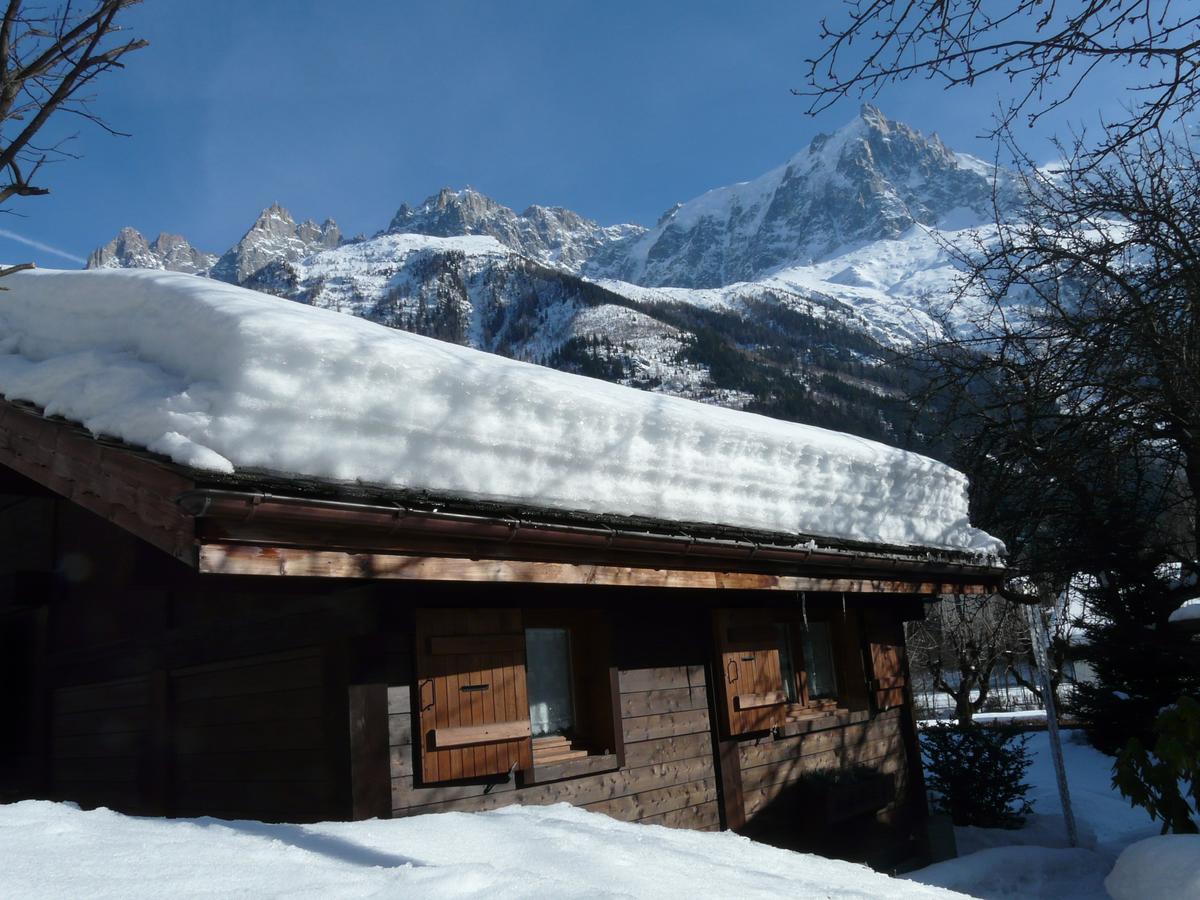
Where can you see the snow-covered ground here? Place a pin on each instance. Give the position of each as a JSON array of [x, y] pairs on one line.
[[54, 850], [1034, 861]]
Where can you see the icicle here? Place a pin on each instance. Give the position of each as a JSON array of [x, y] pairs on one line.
[[804, 608], [843, 606]]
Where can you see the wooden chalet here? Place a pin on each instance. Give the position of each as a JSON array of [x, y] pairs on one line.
[[179, 643]]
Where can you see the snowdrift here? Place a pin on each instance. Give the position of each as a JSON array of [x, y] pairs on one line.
[[54, 850], [222, 378]]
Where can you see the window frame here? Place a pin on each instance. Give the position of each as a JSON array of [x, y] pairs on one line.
[[572, 680], [595, 697], [806, 706], [772, 634]]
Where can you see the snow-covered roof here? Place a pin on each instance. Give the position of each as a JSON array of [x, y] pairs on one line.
[[221, 378]]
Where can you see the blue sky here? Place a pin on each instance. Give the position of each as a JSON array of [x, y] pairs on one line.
[[616, 110]]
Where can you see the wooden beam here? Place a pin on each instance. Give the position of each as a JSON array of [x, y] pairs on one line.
[[370, 777], [754, 701], [230, 518], [120, 485], [234, 559], [469, 735]]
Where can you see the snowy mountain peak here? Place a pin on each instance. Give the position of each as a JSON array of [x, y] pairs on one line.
[[448, 212], [274, 237], [130, 250], [550, 235], [872, 179]]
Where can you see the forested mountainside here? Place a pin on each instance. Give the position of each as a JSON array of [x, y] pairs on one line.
[[784, 295]]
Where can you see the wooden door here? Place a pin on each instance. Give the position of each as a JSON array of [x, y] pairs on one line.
[[473, 708], [750, 673]]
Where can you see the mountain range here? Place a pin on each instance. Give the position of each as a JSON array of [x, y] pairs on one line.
[[785, 294]]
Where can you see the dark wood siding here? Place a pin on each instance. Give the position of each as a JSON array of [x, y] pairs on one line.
[[249, 738], [98, 743], [668, 776]]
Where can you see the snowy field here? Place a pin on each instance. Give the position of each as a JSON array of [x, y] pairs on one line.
[[56, 850]]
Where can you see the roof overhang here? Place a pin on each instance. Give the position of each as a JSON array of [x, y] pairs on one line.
[[306, 532]]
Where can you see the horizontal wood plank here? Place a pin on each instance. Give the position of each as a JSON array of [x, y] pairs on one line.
[[470, 735], [759, 799], [292, 734], [644, 728], [757, 701], [800, 767], [240, 559], [408, 799], [668, 749], [660, 678], [647, 703], [633, 807], [695, 818], [573, 768], [107, 695], [302, 703]]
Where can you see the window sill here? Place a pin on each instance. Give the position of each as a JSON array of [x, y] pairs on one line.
[[802, 720], [573, 768]]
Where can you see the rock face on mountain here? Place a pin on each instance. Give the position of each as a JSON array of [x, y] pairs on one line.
[[130, 250], [872, 180], [274, 237], [547, 234]]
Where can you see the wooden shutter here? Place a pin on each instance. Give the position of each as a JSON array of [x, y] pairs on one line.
[[750, 675], [473, 709], [885, 637]]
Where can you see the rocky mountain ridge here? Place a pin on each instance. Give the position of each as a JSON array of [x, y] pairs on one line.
[[872, 180], [547, 234], [130, 250]]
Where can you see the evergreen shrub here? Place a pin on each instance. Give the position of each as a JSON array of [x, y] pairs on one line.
[[976, 774]]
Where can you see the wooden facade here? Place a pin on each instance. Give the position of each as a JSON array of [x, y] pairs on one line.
[[171, 645]]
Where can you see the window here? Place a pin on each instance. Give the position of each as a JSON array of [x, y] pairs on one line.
[[816, 682], [504, 690], [548, 677], [778, 667], [571, 701]]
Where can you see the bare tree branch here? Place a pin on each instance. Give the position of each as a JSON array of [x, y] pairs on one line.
[[47, 57], [1047, 50]]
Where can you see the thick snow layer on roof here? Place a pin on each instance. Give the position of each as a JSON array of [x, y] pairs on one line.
[[223, 378], [53, 850]]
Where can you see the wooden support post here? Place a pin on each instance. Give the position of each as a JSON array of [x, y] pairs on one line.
[[370, 780], [730, 798], [336, 726]]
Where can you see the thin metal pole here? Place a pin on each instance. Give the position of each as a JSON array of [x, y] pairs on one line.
[[1041, 643]]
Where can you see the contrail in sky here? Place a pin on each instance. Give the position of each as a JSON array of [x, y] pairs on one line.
[[38, 245]]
